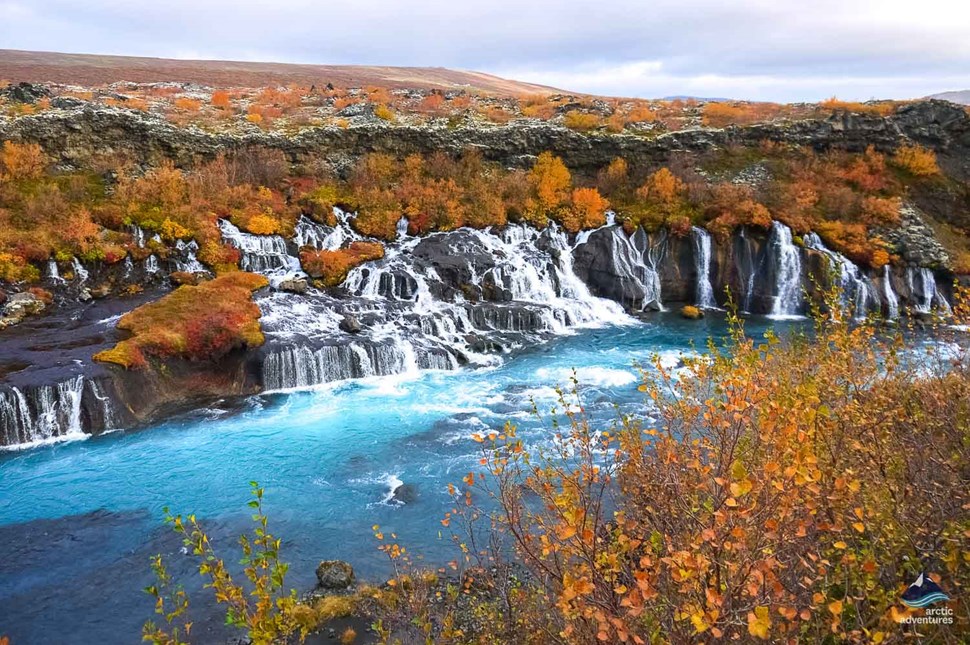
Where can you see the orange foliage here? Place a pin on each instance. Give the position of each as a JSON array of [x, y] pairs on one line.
[[21, 161], [588, 210], [582, 121], [203, 322], [220, 99], [332, 267], [916, 160], [187, 104]]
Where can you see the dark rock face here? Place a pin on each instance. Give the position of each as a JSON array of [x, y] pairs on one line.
[[335, 574], [915, 241], [25, 92], [76, 134]]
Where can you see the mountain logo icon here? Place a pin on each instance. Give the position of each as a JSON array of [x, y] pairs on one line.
[[923, 593]]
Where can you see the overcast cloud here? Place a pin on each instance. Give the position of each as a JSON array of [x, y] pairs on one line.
[[756, 49]]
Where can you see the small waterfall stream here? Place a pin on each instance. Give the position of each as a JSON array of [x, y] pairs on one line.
[[42, 413], [892, 302], [787, 265], [923, 291], [267, 254], [704, 292], [856, 287]]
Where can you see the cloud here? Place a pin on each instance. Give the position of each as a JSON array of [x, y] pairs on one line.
[[777, 50]]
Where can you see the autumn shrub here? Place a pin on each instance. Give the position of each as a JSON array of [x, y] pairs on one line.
[[20, 161], [780, 490], [384, 113], [332, 267], [917, 161], [581, 121], [202, 322], [262, 606]]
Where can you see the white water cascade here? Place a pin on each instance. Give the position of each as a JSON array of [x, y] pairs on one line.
[[52, 273], [187, 259], [923, 290], [892, 302], [39, 414], [80, 273], [151, 264], [703, 292], [265, 254], [856, 287], [433, 302], [787, 264]]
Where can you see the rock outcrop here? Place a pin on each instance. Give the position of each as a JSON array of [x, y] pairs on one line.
[[75, 135]]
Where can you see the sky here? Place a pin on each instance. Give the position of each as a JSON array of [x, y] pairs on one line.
[[776, 50]]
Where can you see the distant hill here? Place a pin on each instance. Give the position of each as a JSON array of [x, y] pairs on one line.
[[91, 70], [960, 96]]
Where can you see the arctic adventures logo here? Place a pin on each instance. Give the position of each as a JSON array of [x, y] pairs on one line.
[[923, 594]]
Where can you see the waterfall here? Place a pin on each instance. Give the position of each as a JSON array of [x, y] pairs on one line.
[[265, 254], [320, 237], [747, 263], [636, 260], [787, 264], [856, 287], [42, 413], [432, 302], [53, 273], [704, 292], [301, 366], [80, 273], [923, 290], [187, 260], [151, 264], [138, 235], [402, 228], [129, 266], [892, 302]]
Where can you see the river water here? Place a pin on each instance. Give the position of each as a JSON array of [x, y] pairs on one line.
[[79, 520]]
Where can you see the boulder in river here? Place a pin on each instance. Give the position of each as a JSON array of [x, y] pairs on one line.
[[351, 324], [405, 494], [294, 285], [335, 574]]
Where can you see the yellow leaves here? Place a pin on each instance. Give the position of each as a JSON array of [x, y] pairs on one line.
[[840, 545], [759, 622], [730, 502], [859, 526], [741, 488], [565, 531], [469, 479], [835, 608]]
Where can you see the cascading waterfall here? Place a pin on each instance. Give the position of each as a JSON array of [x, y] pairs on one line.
[[892, 302], [856, 287], [41, 413], [402, 228], [923, 290], [80, 273], [151, 264], [636, 260], [748, 266], [787, 264], [53, 273], [414, 318], [704, 292], [187, 260], [267, 254]]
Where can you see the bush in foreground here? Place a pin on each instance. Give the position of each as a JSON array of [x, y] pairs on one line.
[[783, 491]]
